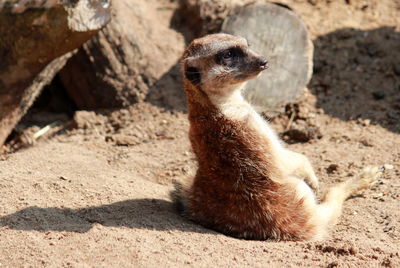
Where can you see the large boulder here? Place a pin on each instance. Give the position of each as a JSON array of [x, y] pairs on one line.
[[35, 37], [120, 64]]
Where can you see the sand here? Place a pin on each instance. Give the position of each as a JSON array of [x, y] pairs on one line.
[[97, 194]]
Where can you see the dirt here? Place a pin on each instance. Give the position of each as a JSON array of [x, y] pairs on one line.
[[94, 191]]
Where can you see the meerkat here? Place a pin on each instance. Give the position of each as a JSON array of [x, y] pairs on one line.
[[247, 184]]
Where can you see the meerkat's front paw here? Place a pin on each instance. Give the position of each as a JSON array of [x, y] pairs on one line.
[[298, 164], [366, 179], [312, 181]]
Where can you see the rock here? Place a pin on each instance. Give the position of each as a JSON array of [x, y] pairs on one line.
[[119, 66], [393, 116], [205, 16], [297, 135], [366, 143], [332, 168], [300, 133], [87, 119], [396, 69], [278, 34], [36, 38], [364, 122], [378, 95], [124, 140], [388, 166]]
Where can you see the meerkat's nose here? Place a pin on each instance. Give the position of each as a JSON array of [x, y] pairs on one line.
[[263, 63]]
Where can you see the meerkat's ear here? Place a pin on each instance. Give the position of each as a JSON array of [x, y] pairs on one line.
[[193, 75]]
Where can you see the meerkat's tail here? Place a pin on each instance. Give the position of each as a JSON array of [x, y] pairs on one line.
[[329, 211], [178, 197]]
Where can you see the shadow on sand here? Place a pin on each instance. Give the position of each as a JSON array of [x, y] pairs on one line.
[[152, 214], [357, 75]]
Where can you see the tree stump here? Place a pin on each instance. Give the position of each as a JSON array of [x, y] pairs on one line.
[[34, 39], [119, 65], [279, 34]]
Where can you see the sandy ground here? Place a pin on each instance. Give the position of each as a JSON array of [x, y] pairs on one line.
[[97, 194]]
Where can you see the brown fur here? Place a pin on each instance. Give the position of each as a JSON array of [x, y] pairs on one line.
[[232, 190], [240, 187]]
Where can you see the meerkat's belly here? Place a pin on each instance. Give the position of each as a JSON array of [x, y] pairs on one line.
[[263, 214]]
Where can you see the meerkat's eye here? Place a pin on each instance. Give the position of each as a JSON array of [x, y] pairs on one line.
[[229, 55]]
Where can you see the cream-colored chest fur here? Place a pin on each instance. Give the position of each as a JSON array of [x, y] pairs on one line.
[[236, 108], [290, 163]]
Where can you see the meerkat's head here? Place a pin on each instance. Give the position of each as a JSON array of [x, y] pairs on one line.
[[219, 64]]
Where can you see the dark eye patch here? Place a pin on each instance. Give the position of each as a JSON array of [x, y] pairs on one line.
[[193, 75], [229, 55]]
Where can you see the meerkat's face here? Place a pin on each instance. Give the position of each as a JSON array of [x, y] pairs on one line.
[[220, 63]]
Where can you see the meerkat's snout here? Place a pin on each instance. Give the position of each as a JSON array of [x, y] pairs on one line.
[[252, 66], [244, 64], [260, 64]]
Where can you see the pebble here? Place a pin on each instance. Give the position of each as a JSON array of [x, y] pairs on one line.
[[332, 168], [376, 196], [393, 116], [396, 70], [388, 166], [364, 122], [378, 95], [367, 122]]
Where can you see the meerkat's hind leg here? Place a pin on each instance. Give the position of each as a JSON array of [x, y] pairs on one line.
[[329, 211], [367, 178]]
